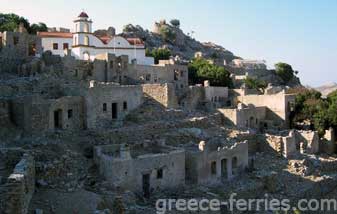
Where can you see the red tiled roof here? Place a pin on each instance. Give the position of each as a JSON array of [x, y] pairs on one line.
[[55, 35], [105, 39], [135, 41], [83, 15]]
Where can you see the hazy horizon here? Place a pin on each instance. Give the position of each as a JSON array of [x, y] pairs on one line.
[[301, 33]]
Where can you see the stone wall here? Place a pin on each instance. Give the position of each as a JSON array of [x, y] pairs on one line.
[[126, 171], [175, 74], [248, 117], [328, 143], [16, 46], [227, 162], [218, 96], [296, 142], [17, 192], [193, 98], [308, 141], [107, 103], [279, 106], [34, 114], [161, 93]]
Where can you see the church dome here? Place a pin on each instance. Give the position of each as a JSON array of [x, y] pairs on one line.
[[83, 15]]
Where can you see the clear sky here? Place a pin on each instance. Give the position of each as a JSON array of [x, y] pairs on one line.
[[302, 33]]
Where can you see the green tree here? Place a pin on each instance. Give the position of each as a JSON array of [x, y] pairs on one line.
[[159, 54], [11, 22], [167, 33], [201, 70], [285, 71], [332, 97], [175, 23], [310, 106], [253, 83], [40, 27]]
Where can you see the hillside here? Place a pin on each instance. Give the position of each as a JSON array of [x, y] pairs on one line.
[[327, 88], [167, 36]]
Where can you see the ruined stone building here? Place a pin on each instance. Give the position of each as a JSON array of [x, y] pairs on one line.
[[295, 142], [147, 167], [209, 163], [106, 103], [16, 47], [35, 114], [142, 168], [17, 191]]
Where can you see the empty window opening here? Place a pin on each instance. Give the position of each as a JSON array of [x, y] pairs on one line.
[[55, 46], [114, 110], [104, 107], [32, 49], [125, 106], [15, 40], [58, 119], [70, 113], [176, 75], [224, 168], [65, 46], [234, 165], [146, 185], [213, 167], [160, 173], [148, 77]]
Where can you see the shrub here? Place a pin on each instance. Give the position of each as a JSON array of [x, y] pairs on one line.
[[201, 70]]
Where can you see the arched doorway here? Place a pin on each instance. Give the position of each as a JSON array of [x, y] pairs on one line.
[[224, 173], [234, 165], [251, 122], [58, 119]]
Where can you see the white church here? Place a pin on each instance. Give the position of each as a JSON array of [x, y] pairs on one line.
[[84, 45]]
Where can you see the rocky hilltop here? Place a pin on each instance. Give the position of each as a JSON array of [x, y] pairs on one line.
[[327, 88], [166, 35]]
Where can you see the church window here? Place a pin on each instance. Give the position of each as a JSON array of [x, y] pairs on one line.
[[86, 28], [86, 40]]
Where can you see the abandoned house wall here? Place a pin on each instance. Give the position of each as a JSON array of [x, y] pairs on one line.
[[34, 114], [279, 106], [247, 117], [328, 143], [19, 188], [111, 68], [308, 141], [145, 74], [106, 103], [213, 165], [218, 96], [71, 113], [290, 145], [122, 169], [296, 142], [193, 98], [161, 93], [16, 46]]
